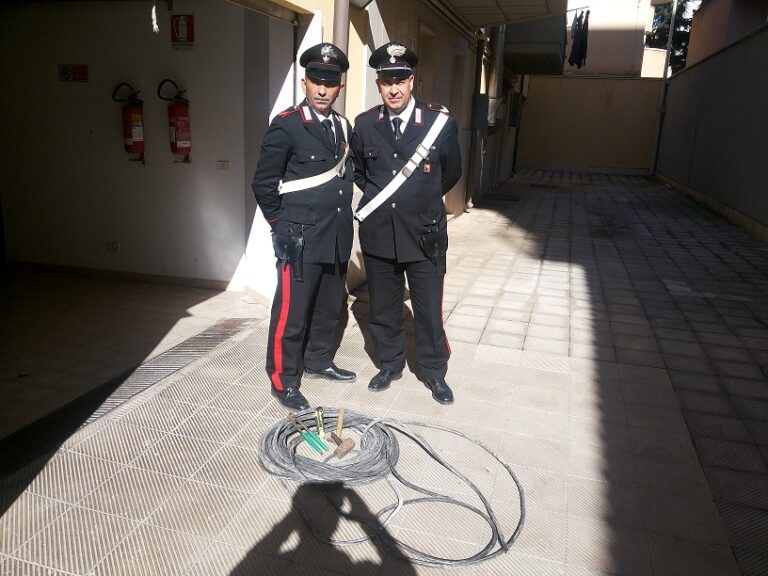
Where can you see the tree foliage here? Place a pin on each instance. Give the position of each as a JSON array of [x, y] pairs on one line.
[[657, 38]]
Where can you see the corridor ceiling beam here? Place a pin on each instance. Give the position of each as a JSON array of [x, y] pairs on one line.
[[476, 14]]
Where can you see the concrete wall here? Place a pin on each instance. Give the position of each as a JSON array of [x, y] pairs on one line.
[[718, 23], [653, 62], [714, 138], [596, 124], [68, 186], [270, 41]]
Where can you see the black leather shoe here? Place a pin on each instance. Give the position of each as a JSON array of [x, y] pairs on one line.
[[383, 379], [333, 372], [291, 398], [441, 392]]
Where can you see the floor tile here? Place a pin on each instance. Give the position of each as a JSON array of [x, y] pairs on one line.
[[604, 369]]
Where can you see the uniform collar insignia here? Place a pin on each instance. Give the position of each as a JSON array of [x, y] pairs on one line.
[[307, 114]]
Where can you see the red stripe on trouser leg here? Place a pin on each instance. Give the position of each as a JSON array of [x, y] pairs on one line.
[[447, 344], [285, 304]]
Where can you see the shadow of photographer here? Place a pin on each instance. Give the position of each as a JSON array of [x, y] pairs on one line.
[[304, 540]]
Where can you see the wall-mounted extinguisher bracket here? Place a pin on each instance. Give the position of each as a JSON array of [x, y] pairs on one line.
[[133, 120], [178, 119]]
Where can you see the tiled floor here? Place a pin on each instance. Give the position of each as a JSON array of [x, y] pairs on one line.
[[62, 334], [609, 343]]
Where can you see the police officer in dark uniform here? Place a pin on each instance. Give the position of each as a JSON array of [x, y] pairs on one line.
[[303, 184], [406, 234]]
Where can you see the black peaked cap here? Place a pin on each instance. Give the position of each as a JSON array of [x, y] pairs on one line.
[[324, 62]]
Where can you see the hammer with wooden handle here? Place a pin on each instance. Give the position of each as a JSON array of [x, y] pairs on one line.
[[343, 446]]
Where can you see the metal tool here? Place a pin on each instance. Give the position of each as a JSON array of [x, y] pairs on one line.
[[319, 422], [343, 445], [311, 438]]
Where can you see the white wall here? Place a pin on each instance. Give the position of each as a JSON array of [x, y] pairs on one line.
[[68, 187], [268, 91]]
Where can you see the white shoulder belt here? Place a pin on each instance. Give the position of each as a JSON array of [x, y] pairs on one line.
[[413, 163], [318, 179]]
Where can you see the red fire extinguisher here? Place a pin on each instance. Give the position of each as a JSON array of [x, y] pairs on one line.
[[178, 120], [133, 119]]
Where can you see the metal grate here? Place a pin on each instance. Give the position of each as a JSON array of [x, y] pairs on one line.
[[48, 432]]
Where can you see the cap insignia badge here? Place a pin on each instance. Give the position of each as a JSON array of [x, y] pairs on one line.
[[395, 50], [327, 52]]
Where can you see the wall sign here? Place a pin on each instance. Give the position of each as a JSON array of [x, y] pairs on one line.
[[73, 72], [182, 31]]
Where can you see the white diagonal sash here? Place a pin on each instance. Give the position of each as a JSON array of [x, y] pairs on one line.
[[413, 163], [318, 179]]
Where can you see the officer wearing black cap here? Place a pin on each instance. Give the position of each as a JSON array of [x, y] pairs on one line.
[[303, 185], [406, 159]]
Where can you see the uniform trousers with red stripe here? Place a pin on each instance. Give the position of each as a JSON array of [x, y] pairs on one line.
[[304, 321], [386, 286]]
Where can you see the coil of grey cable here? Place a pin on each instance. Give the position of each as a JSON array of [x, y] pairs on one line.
[[376, 459]]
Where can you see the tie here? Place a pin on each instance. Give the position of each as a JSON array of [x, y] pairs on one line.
[[396, 125], [329, 133]]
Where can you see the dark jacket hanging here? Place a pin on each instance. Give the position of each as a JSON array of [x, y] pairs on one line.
[[579, 32]]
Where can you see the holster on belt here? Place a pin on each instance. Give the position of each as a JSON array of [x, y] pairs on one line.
[[434, 243], [289, 249]]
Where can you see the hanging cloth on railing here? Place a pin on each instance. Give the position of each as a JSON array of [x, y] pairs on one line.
[[579, 33]]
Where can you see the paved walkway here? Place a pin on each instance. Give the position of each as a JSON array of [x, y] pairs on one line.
[[609, 343]]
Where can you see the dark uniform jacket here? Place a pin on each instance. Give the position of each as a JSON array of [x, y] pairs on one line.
[[295, 147], [394, 228]]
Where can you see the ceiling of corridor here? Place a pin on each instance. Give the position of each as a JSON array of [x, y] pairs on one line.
[[481, 13]]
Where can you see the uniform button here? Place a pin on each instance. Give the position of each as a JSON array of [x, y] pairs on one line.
[[338, 209], [312, 157], [394, 155], [394, 204], [394, 172], [341, 193], [433, 221]]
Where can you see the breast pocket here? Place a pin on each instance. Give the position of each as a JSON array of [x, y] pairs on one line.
[[311, 156], [370, 153]]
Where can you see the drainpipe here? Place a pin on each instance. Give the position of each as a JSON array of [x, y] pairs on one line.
[[341, 39], [474, 128], [497, 84], [661, 111], [296, 74], [497, 92], [519, 111]]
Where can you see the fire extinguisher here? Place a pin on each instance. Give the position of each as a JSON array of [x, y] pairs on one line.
[[133, 120], [178, 120]]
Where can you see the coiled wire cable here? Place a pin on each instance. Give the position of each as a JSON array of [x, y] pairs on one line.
[[376, 459]]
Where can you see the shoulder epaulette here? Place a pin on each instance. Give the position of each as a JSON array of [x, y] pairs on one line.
[[288, 112], [438, 108]]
